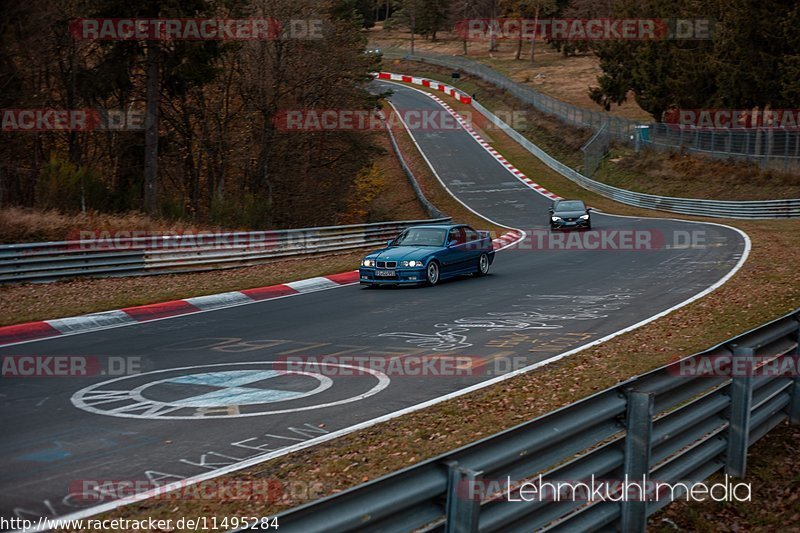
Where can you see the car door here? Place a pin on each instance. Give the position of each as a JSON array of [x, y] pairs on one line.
[[474, 247], [456, 253]]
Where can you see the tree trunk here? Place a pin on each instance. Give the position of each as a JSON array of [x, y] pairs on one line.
[[413, 28], [519, 42], [492, 34], [151, 130], [535, 29]]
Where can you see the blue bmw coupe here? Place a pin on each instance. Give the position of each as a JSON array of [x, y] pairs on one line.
[[429, 254]]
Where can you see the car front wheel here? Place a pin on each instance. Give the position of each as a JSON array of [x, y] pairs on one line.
[[432, 273], [483, 265]]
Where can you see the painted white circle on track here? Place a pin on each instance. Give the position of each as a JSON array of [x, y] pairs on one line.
[[229, 392]]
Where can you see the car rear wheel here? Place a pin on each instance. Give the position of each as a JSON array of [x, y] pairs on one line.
[[432, 273], [483, 265]]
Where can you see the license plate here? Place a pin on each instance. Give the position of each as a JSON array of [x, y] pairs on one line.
[[385, 273]]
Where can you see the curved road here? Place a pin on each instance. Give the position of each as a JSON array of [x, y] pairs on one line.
[[209, 397]]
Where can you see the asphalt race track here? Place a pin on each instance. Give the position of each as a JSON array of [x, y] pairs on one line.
[[210, 397]]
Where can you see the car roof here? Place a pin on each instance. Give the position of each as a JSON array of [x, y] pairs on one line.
[[568, 200], [438, 226]]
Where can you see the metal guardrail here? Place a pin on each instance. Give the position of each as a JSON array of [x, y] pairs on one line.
[[664, 424], [129, 256], [768, 147], [751, 209]]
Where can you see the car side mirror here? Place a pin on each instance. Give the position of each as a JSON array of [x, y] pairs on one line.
[[389, 244], [588, 209], [450, 244]]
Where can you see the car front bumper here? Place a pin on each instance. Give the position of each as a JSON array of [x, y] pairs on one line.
[[368, 276], [575, 224]]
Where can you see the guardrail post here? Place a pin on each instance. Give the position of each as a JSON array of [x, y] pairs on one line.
[[741, 392], [638, 439], [463, 499], [794, 407]]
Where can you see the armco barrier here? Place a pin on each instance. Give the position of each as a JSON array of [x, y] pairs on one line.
[[755, 209], [127, 256], [669, 426]]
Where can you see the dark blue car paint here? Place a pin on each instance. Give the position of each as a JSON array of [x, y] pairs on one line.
[[453, 260]]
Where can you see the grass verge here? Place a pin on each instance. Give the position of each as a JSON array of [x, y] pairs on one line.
[[20, 224], [766, 287], [40, 301], [774, 475], [567, 78]]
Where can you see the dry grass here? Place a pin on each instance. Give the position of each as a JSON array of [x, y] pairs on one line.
[[398, 200], [773, 472], [767, 286], [565, 78], [682, 175], [19, 224], [28, 302]]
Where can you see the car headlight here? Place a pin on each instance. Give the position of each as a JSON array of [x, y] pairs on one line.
[[411, 263], [555, 219], [584, 217], [368, 263]]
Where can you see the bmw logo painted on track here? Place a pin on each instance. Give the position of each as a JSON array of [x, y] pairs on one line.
[[228, 390]]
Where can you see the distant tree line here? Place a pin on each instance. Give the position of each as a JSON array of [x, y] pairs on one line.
[[214, 153], [210, 150], [751, 60]]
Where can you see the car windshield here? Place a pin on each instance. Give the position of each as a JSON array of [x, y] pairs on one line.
[[571, 206], [421, 237]]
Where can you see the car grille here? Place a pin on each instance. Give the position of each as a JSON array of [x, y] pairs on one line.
[[387, 264], [570, 219]]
